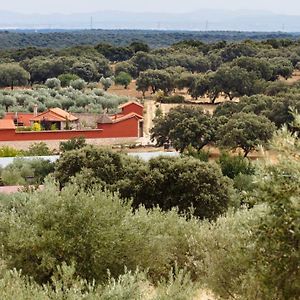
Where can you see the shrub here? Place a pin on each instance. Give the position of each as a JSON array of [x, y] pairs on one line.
[[7, 151], [233, 166], [71, 225], [38, 149], [36, 127], [72, 144], [66, 79], [172, 99], [22, 172], [78, 84], [53, 83]]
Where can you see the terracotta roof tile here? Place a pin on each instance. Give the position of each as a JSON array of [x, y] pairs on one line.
[[7, 124], [129, 103]]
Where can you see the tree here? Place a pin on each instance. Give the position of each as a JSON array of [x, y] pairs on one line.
[[53, 83], [7, 101], [200, 86], [184, 126], [156, 80], [126, 67], [143, 61], [182, 183], [123, 79], [236, 82], [114, 53], [78, 84], [138, 46], [245, 131], [106, 83], [262, 67], [13, 75], [277, 247], [281, 67], [66, 79], [103, 165]]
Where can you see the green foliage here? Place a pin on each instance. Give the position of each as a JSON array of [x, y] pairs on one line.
[[172, 99], [106, 83], [222, 253], [232, 166], [166, 182], [83, 230], [123, 79], [78, 84], [72, 144], [22, 172], [179, 182], [245, 131], [277, 249], [156, 80], [13, 75], [38, 149], [105, 166], [53, 83], [184, 126], [73, 100], [7, 151], [66, 79]]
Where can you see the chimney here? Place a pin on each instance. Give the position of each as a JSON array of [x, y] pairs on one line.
[[35, 110]]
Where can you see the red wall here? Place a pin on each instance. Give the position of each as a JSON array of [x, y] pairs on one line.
[[126, 128], [12, 135], [133, 108]]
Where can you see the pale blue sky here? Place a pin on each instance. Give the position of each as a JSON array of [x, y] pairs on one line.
[[75, 6]]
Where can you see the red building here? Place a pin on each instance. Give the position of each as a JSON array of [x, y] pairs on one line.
[[128, 124]]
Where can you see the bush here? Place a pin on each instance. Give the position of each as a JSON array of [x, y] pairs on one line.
[[172, 99], [7, 151], [165, 182], [66, 79], [72, 144], [78, 84], [38, 149], [22, 172], [232, 166], [71, 226], [53, 83], [36, 127]]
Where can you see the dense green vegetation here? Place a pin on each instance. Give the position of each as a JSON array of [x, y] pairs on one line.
[[67, 239], [70, 99], [155, 38], [108, 226]]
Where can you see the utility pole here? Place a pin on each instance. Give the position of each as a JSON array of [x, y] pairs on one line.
[[92, 23], [206, 26]]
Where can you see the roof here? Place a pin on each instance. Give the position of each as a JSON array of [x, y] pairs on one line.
[[55, 115], [130, 103], [126, 117], [22, 118], [104, 119], [7, 124]]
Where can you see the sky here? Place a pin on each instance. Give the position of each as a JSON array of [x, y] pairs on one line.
[[291, 7]]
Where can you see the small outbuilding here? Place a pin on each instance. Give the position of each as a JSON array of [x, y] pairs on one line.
[[57, 118]]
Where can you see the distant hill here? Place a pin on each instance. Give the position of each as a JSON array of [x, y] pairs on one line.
[[242, 20]]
